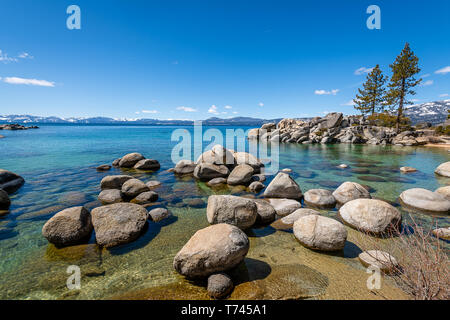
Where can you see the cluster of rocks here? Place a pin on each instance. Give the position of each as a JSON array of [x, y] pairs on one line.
[[9, 183], [134, 160], [220, 166], [337, 128], [15, 126], [125, 188]]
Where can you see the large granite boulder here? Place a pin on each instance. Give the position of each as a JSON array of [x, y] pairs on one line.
[[283, 207], [320, 198], [350, 191], [214, 249], [68, 227], [147, 164], [134, 187], [184, 167], [370, 215], [266, 213], [333, 120], [118, 223], [217, 155], [9, 181], [207, 171], [5, 202], [283, 186], [442, 170], [110, 196], [237, 211], [241, 175], [320, 233], [129, 160], [114, 182], [425, 200]]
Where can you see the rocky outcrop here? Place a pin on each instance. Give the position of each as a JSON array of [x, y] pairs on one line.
[[350, 191], [10, 182], [118, 223], [16, 126], [379, 259], [320, 198], [283, 207], [184, 167], [237, 211], [214, 249], [443, 169], [5, 202], [320, 233], [283, 186], [68, 227], [220, 285], [370, 215], [241, 175], [425, 200]]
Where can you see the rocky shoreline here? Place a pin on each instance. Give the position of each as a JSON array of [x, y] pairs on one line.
[[337, 128], [15, 126]]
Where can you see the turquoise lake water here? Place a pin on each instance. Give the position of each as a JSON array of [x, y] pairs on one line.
[[58, 163]]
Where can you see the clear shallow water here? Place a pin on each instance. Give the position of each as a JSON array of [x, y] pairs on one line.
[[58, 164]]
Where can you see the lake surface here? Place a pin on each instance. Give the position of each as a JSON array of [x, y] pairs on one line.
[[58, 163]]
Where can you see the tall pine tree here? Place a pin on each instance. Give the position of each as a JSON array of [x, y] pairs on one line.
[[402, 82], [370, 98]]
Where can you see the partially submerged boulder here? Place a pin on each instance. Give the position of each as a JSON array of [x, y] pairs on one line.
[[68, 227], [147, 164], [184, 167], [129, 160], [442, 233], [159, 214], [442, 170], [114, 182], [445, 191], [10, 182], [320, 198], [320, 233], [110, 196], [283, 186], [220, 285], [237, 211], [134, 187], [256, 186], [241, 175], [290, 219], [283, 207], [145, 198], [214, 249], [266, 213], [207, 171], [5, 202], [350, 191], [425, 200]]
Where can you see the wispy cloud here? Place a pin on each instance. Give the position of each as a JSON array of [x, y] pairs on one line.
[[444, 95], [150, 111], [5, 58], [235, 112], [349, 103], [25, 55], [325, 92], [261, 104], [213, 110], [427, 83], [362, 70], [187, 109], [228, 107], [443, 70], [426, 75], [31, 82]]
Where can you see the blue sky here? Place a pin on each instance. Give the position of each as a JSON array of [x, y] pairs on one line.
[[196, 59]]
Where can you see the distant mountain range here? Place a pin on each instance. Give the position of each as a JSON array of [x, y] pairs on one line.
[[434, 112]]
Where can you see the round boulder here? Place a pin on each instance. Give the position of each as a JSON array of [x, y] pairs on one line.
[[10, 182], [5, 202], [145, 197], [219, 285], [153, 184], [110, 196], [214, 249], [184, 167], [320, 233], [283, 186], [68, 227], [371, 215], [379, 259], [283, 207], [320, 198], [256, 186], [118, 223], [425, 200], [129, 160], [134, 187], [147, 164], [442, 170], [207, 171], [114, 182], [241, 175], [237, 211], [159, 214], [350, 191], [290, 219], [266, 213]]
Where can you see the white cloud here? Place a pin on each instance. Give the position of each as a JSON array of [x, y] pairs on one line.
[[5, 58], [324, 92], [235, 112], [427, 83], [213, 110], [444, 95], [443, 70], [362, 70], [349, 103], [415, 100], [25, 55], [150, 111], [32, 82], [261, 104], [228, 107], [425, 75], [187, 109]]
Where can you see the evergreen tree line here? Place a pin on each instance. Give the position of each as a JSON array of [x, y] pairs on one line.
[[376, 97]]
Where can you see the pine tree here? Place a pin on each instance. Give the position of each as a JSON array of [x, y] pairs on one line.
[[370, 98], [402, 82]]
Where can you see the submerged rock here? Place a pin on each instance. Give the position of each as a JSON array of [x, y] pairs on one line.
[[379, 259], [118, 223], [153, 184], [283, 207], [320, 198], [104, 167], [370, 215], [241, 175], [442, 170], [10, 182], [350, 191], [5, 202], [283, 186], [216, 248], [184, 167], [320, 233], [147, 164], [408, 169], [110, 196], [129, 160], [68, 227], [114, 182], [220, 285], [237, 211], [425, 200]]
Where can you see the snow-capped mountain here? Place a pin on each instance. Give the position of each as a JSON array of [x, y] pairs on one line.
[[435, 112]]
